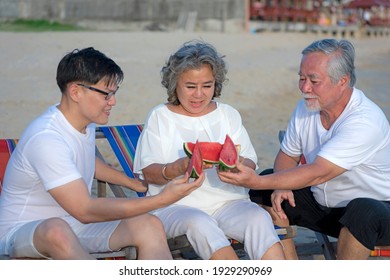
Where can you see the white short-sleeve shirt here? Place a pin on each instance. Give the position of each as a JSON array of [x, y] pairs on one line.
[[49, 154], [358, 141]]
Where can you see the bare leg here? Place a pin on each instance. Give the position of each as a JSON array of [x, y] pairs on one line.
[[54, 238], [288, 244], [349, 248], [146, 232], [274, 253], [225, 253]]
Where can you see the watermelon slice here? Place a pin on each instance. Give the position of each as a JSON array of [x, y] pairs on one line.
[[195, 167], [228, 155], [210, 151]]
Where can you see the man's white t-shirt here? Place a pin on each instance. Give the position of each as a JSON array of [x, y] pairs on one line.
[[49, 154], [358, 141], [162, 141]]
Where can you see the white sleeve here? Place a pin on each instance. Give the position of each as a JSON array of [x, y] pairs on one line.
[[149, 149], [52, 159]]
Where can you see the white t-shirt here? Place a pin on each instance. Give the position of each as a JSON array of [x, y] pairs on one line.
[[49, 154], [358, 141], [162, 141]]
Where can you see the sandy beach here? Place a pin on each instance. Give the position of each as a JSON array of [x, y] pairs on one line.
[[263, 76]]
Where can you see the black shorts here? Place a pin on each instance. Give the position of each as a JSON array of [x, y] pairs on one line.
[[367, 219]]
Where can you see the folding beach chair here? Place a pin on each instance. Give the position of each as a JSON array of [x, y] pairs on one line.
[[123, 141], [7, 146]]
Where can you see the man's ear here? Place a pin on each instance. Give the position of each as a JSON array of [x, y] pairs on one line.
[[344, 81], [74, 92]]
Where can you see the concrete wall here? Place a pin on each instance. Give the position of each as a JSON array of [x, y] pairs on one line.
[[120, 10]]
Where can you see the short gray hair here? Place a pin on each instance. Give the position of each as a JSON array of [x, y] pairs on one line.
[[342, 58]]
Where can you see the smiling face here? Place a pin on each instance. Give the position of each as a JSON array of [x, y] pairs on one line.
[[195, 91], [94, 106], [82, 105], [315, 84]]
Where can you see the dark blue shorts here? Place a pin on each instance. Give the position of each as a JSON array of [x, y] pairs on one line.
[[367, 219]]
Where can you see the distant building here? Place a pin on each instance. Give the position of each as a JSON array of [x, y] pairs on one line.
[[371, 12], [285, 10], [322, 12]]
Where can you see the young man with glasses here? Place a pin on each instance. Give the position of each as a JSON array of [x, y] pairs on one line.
[[46, 208]]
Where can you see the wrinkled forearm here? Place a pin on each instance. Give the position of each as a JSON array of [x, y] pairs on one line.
[[302, 176]]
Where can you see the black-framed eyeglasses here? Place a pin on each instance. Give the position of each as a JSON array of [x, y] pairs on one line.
[[107, 94]]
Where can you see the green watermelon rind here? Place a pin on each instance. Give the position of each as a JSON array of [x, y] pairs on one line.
[[224, 166], [194, 174], [191, 166]]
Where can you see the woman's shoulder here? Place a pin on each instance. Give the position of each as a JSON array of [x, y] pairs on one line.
[[227, 109], [159, 107], [156, 110]]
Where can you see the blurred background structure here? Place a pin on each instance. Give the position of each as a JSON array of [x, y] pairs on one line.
[[146, 14], [340, 17], [323, 12], [369, 16]]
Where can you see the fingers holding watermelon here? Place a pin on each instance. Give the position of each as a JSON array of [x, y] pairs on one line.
[[242, 176], [180, 187], [231, 167], [205, 155]]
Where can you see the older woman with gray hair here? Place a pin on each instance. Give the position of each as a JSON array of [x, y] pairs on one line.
[[194, 77]]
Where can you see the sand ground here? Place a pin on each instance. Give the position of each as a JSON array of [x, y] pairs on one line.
[[263, 76]]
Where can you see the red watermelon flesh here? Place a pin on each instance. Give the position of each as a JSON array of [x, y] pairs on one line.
[[195, 167], [210, 150], [228, 155]]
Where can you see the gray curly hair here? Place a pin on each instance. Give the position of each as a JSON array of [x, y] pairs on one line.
[[192, 55]]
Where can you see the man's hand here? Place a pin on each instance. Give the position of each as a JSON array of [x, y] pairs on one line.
[[181, 187], [138, 185], [277, 198], [242, 175]]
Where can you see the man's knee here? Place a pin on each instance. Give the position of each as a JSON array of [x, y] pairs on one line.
[[368, 220], [367, 209], [54, 235], [54, 231]]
